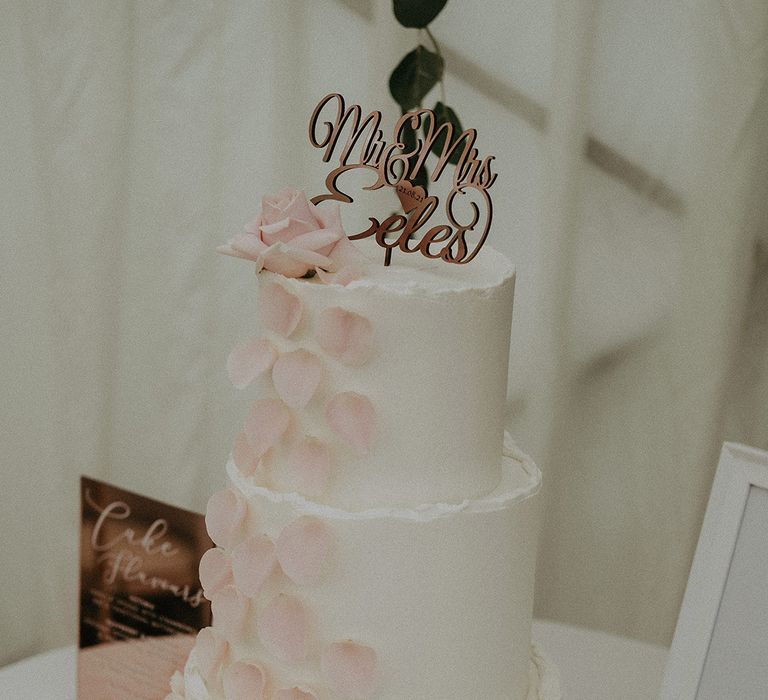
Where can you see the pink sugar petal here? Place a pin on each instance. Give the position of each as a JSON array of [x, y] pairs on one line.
[[265, 425], [245, 681], [345, 275], [302, 549], [280, 310], [210, 650], [349, 669], [309, 466], [248, 360], [295, 693], [352, 417], [230, 610], [224, 516], [243, 456], [215, 572], [345, 335], [283, 627], [296, 376], [252, 563]]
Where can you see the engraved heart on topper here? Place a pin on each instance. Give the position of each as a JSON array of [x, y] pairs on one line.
[[410, 196]]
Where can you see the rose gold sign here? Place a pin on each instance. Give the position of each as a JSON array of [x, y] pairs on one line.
[[141, 603], [358, 142]]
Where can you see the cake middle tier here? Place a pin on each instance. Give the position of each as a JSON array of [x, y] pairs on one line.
[[426, 346], [433, 602]]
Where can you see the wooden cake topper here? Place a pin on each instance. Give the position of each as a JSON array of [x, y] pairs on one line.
[[358, 143]]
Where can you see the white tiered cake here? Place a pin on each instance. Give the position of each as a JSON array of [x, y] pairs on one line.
[[377, 537]]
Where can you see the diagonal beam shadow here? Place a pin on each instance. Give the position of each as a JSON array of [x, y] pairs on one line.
[[600, 154]]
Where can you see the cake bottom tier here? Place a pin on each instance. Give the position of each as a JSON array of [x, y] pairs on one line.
[[543, 681], [431, 603]]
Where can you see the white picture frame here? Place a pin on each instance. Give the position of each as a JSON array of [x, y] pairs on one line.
[[722, 628]]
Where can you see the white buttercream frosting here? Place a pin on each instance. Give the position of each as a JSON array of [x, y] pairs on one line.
[[436, 378], [543, 681], [515, 485]]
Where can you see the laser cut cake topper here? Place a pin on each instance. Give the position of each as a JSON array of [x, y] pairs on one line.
[[396, 164]]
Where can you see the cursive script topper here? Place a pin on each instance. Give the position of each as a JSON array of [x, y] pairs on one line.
[[357, 142]]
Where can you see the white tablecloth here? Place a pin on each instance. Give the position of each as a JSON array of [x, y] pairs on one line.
[[592, 665]]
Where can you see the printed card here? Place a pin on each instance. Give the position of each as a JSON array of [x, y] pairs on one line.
[[141, 603]]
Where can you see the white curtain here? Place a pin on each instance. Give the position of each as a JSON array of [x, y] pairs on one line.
[[632, 143]]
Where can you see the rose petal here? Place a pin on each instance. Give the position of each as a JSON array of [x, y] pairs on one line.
[[309, 466], [288, 203], [289, 261], [328, 214], [224, 516], [349, 669], [345, 335], [248, 360], [283, 627], [280, 310], [345, 252], [215, 572], [283, 261], [352, 417], [230, 610], [345, 275], [265, 425], [317, 240], [295, 693], [296, 376], [209, 652], [254, 225], [245, 681], [252, 563], [244, 457], [248, 245], [302, 549]]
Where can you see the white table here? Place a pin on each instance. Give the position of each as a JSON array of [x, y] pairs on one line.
[[593, 666]]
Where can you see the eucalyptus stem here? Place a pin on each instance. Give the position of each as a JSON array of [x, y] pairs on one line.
[[436, 46]]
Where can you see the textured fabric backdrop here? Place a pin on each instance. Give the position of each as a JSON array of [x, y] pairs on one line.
[[631, 141]]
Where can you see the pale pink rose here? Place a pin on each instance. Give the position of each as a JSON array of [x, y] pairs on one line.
[[291, 236]]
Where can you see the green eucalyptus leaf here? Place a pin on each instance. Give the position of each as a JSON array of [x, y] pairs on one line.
[[417, 13], [445, 115], [414, 77]]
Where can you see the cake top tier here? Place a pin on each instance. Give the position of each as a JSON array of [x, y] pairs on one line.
[[417, 274], [386, 391]]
